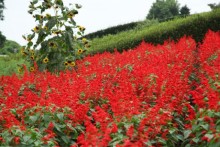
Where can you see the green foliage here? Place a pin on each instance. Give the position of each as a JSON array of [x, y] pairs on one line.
[[10, 47], [205, 129], [47, 127], [184, 10], [2, 6], [121, 28], [2, 40], [163, 9], [146, 23], [112, 30], [197, 25], [53, 43], [9, 64], [214, 6]]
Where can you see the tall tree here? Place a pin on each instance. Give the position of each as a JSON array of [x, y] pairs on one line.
[[2, 40], [2, 6], [2, 37], [163, 9], [214, 6], [185, 11]]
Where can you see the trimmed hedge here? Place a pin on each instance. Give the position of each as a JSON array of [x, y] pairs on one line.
[[195, 25], [112, 30]]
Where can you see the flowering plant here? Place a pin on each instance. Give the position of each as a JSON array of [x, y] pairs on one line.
[[141, 97], [56, 41]]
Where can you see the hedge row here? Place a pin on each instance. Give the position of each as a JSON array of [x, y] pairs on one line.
[[195, 25], [128, 26], [112, 30]]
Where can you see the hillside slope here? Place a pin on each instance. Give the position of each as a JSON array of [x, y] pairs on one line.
[[195, 25]]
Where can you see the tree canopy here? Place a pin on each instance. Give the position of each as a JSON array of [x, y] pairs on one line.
[[214, 6], [2, 6], [184, 11], [163, 9], [2, 40], [2, 37]]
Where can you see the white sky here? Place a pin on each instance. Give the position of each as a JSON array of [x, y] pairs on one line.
[[94, 15]]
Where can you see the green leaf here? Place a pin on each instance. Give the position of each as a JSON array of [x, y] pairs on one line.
[[18, 132], [13, 111], [185, 142], [42, 10], [34, 1], [33, 118], [73, 22], [37, 17], [50, 143], [195, 128], [65, 139], [26, 138], [180, 137], [51, 23], [30, 44], [57, 127], [205, 126], [60, 116], [148, 143], [9, 138], [80, 128], [217, 114], [41, 37], [37, 143], [179, 121], [46, 117], [186, 133], [172, 130], [211, 113], [78, 6], [59, 2], [196, 140], [210, 136], [75, 134], [162, 141]]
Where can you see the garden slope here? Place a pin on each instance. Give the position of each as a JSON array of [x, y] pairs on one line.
[[142, 97]]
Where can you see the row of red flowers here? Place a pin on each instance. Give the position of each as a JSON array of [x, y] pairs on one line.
[[148, 96]]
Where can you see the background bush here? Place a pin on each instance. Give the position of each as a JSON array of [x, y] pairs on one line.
[[9, 47], [112, 30], [121, 28], [195, 25], [9, 64]]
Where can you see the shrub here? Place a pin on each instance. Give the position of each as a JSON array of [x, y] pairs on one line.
[[10, 47]]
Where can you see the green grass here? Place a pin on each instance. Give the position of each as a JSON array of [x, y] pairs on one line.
[[9, 64]]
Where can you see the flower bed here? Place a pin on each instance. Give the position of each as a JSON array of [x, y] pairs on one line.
[[165, 95]]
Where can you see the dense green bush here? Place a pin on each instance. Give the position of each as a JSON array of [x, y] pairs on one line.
[[2, 39], [112, 30], [9, 47], [121, 28], [146, 23], [195, 25]]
